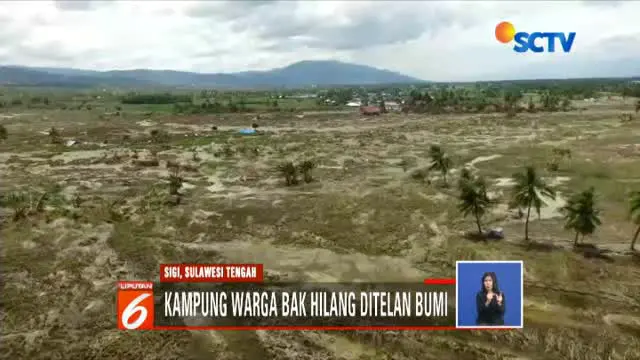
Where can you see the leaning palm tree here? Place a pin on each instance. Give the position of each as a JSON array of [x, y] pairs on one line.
[[474, 199], [440, 161], [581, 214], [528, 191], [634, 211]]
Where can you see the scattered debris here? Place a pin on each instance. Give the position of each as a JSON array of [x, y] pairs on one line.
[[145, 123], [495, 234], [247, 131]]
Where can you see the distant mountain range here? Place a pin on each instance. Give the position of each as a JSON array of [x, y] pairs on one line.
[[298, 75]]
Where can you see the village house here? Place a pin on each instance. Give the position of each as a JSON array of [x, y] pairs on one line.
[[392, 106]]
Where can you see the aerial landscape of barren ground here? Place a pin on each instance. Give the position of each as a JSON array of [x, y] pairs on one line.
[[354, 149], [92, 196]]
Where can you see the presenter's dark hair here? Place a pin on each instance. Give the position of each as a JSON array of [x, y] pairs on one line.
[[493, 277]]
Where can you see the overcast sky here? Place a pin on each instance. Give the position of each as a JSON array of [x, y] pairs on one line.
[[441, 41]]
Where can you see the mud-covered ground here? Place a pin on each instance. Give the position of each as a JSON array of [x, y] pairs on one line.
[[371, 213]]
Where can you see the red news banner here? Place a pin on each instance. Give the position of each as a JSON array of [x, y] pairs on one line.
[[211, 273], [234, 297], [135, 300]]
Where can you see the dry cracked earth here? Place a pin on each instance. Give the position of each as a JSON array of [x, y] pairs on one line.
[[371, 213]]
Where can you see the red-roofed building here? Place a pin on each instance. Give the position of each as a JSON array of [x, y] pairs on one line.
[[370, 110]]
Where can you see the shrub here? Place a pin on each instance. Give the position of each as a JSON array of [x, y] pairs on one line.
[[55, 136], [175, 181], [289, 172], [159, 136], [19, 202], [306, 168]]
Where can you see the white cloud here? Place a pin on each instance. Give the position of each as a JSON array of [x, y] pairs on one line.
[[431, 40]]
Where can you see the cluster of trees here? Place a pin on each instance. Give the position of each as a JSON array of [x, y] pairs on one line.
[[155, 99], [461, 100], [631, 91], [336, 97], [230, 106], [208, 102], [210, 107], [482, 97], [32, 102], [575, 89], [506, 97], [581, 213]]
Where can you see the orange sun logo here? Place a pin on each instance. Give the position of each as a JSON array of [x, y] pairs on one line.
[[505, 32]]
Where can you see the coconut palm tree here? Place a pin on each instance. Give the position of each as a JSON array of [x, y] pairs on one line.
[[473, 198], [581, 214], [440, 161], [528, 191], [634, 211]]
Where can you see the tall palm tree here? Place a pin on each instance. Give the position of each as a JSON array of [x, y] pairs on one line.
[[440, 161], [528, 191], [634, 211], [473, 198], [581, 214]]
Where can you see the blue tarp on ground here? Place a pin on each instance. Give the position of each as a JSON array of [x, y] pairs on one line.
[[247, 131]]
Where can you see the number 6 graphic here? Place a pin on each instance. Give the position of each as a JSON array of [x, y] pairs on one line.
[[131, 310]]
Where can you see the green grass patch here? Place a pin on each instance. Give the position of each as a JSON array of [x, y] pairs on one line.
[[132, 244]]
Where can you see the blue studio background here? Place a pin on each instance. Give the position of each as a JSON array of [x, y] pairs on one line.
[[469, 280]]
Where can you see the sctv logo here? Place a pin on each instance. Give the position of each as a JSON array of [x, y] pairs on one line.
[[536, 41]]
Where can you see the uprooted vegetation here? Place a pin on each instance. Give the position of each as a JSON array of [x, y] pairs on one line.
[[381, 199], [291, 172]]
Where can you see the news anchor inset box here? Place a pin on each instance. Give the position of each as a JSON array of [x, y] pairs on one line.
[[489, 294]]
